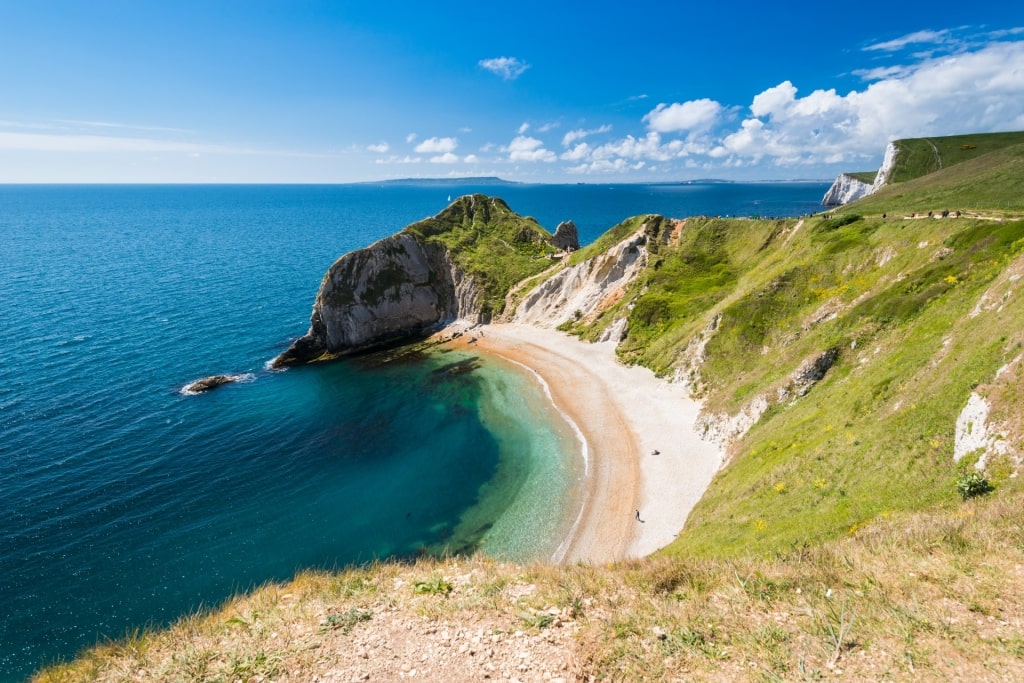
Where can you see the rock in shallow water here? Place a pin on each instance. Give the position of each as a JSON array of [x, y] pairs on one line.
[[206, 383]]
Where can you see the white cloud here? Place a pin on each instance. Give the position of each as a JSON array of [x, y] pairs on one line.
[[525, 148], [548, 127], [578, 134], [380, 148], [410, 138], [446, 158], [970, 92], [509, 68], [918, 37], [523, 127], [437, 146], [577, 153], [695, 115], [471, 159]]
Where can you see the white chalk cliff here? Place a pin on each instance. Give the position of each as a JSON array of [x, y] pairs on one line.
[[844, 190]]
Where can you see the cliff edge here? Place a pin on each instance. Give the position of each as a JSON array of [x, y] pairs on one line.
[[457, 264]]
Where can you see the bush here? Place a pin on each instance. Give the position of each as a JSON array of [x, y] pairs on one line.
[[972, 485]]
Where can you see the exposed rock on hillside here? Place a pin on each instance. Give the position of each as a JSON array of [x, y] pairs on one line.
[[885, 170], [844, 190], [586, 288], [566, 236]]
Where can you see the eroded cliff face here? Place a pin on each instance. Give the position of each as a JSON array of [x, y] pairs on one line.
[[844, 190], [888, 161], [398, 287], [586, 288]]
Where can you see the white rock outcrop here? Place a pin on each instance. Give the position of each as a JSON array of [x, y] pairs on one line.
[[882, 177], [973, 433], [585, 289], [844, 190]]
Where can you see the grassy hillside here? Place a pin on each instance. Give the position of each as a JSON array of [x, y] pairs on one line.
[[924, 597], [490, 241], [908, 316], [920, 156], [832, 542], [989, 184]]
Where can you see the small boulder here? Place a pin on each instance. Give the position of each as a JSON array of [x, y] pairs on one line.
[[207, 383]]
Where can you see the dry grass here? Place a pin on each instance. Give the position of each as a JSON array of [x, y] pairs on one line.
[[933, 596]]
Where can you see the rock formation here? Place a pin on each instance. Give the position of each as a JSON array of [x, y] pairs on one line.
[[414, 282], [844, 190], [396, 288], [585, 289], [566, 237], [205, 384], [888, 162]]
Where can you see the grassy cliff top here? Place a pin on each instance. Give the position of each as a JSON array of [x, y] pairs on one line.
[[863, 176], [490, 241], [928, 596], [988, 183], [917, 157]]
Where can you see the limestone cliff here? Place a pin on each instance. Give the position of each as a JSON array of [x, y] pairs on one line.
[[587, 288], [457, 264], [844, 190], [885, 170], [395, 288]]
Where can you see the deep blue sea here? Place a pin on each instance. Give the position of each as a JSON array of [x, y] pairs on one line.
[[124, 503]]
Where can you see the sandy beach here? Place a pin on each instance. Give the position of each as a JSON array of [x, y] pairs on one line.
[[643, 452]]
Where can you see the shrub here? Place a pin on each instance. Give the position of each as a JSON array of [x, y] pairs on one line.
[[973, 484]]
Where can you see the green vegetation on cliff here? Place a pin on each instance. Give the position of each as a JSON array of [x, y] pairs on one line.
[[864, 176], [833, 540], [917, 157], [489, 241], [902, 319]]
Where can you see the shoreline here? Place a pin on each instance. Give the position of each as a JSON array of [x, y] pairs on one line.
[[624, 415]]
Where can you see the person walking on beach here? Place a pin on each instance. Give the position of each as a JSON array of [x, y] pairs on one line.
[[638, 516]]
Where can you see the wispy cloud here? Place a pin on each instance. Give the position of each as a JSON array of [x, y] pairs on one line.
[[18, 140], [509, 68], [446, 158], [580, 133], [915, 38], [113, 125], [380, 148]]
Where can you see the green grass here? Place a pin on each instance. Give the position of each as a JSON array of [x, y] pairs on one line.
[[989, 184], [488, 240], [864, 176], [920, 156], [891, 298]]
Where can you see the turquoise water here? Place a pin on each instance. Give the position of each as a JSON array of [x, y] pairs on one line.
[[125, 503]]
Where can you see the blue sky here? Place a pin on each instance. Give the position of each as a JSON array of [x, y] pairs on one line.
[[135, 91]]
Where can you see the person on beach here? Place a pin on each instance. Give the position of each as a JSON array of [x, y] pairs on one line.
[[638, 516]]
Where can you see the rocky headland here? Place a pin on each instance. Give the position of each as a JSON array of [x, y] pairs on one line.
[[456, 265]]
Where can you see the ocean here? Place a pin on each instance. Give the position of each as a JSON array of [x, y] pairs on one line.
[[125, 503]]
